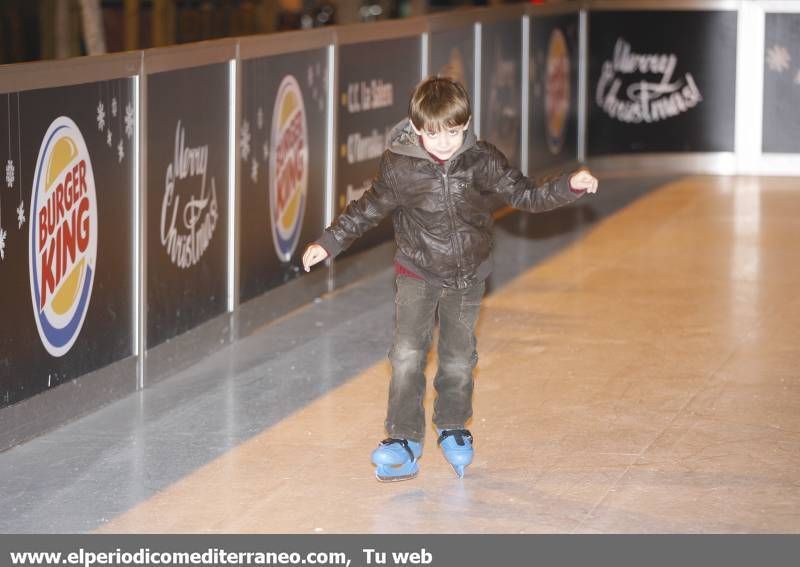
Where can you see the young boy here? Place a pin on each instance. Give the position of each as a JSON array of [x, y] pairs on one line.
[[437, 181]]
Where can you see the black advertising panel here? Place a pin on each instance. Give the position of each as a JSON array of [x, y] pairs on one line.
[[187, 199], [282, 151], [66, 234], [553, 131], [452, 54], [376, 80], [501, 87], [661, 82], [781, 84]]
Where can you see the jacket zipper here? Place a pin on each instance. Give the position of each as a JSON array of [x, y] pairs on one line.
[[453, 235]]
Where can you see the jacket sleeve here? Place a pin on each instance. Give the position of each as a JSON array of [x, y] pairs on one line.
[[526, 194], [365, 213]]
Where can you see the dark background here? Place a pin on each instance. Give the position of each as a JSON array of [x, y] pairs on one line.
[[394, 61], [261, 269], [501, 87], [539, 154], [26, 368], [705, 45], [180, 299], [781, 130], [450, 48]]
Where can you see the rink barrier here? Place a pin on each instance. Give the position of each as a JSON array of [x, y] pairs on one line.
[[39, 393], [227, 297]]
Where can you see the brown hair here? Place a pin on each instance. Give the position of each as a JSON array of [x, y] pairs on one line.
[[439, 103]]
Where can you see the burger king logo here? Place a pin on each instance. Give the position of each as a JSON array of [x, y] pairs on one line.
[[288, 168], [556, 102], [63, 236]]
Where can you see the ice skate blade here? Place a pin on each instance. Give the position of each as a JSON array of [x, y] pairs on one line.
[[406, 471], [459, 470], [395, 478]]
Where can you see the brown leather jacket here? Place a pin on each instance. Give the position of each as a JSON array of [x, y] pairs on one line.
[[442, 213]]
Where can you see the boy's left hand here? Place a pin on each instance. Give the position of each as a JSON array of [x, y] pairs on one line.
[[584, 180]]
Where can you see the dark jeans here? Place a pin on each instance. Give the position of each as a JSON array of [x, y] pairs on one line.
[[416, 305]]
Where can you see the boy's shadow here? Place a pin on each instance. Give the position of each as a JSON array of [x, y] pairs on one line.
[[523, 240], [539, 226]]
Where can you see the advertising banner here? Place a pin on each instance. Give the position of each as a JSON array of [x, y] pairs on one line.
[[781, 84], [187, 199], [282, 150], [452, 54], [376, 80], [66, 234], [501, 84], [553, 127], [661, 82]]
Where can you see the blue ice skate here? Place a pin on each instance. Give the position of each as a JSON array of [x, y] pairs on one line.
[[456, 445], [396, 459]]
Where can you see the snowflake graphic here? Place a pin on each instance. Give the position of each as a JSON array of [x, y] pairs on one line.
[[254, 170], [120, 150], [129, 120], [10, 177], [260, 118], [265, 150], [108, 138], [21, 214], [114, 106], [244, 140], [2, 244], [778, 58], [101, 116]]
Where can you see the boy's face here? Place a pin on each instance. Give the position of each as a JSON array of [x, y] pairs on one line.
[[444, 143]]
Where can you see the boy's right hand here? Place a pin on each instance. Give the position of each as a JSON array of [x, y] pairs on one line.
[[313, 255]]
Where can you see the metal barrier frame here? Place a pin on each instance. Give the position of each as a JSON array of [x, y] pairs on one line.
[[163, 360], [544, 10], [348, 270], [248, 316], [42, 412], [52, 74], [749, 94], [719, 163]]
